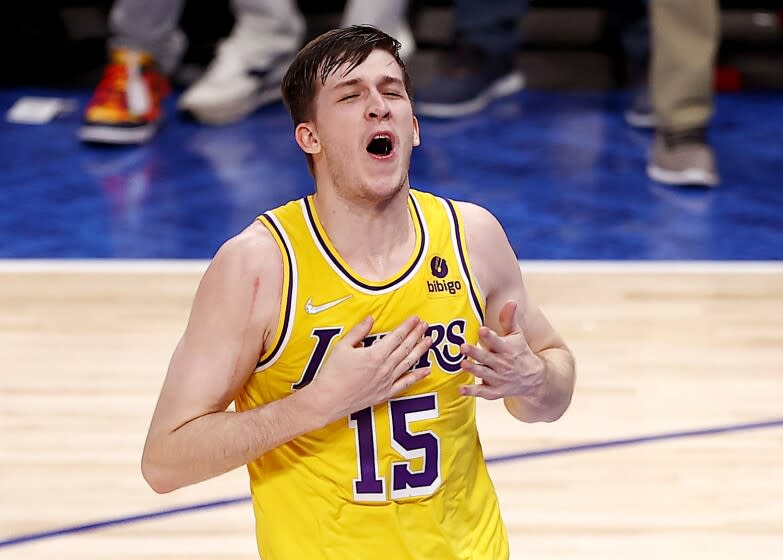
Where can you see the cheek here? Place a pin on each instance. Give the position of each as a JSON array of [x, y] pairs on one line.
[[338, 147], [340, 139]]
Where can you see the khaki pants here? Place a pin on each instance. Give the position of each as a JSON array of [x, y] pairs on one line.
[[684, 38]]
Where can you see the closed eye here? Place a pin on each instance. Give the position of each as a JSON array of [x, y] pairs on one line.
[[349, 97], [393, 94]]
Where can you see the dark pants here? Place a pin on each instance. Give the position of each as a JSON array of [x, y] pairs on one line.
[[490, 25]]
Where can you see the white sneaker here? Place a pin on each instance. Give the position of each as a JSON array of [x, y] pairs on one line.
[[407, 43], [229, 91]]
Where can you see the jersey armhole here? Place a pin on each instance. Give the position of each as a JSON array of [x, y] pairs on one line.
[[459, 240], [288, 299]]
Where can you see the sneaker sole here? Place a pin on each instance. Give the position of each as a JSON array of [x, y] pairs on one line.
[[685, 177], [640, 120], [114, 135], [227, 114], [508, 85]]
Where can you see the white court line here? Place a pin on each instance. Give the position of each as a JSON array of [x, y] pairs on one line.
[[190, 266], [653, 267]]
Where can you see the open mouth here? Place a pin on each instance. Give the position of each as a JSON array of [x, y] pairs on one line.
[[381, 145]]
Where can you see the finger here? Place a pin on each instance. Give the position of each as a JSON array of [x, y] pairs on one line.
[[492, 341], [404, 347], [508, 318], [359, 332], [406, 381], [479, 390], [477, 353], [479, 370], [406, 357], [389, 343]]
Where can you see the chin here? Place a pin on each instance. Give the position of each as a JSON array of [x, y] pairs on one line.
[[384, 187]]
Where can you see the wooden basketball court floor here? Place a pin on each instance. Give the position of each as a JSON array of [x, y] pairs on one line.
[[672, 448]]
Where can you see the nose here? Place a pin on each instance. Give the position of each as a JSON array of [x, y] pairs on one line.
[[378, 107]]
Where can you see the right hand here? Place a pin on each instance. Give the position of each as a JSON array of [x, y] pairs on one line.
[[355, 377]]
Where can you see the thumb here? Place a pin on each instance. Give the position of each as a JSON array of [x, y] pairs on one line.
[[359, 332], [508, 318]]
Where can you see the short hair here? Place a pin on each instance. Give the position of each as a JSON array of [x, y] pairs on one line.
[[321, 58]]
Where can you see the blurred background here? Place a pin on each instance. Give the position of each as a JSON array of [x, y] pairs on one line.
[[560, 160], [566, 45]]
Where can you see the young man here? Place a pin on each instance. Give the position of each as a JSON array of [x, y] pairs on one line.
[[349, 327]]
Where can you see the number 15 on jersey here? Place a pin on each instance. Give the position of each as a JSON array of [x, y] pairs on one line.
[[370, 486]]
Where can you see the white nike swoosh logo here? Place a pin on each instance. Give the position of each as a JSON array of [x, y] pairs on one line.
[[311, 309]]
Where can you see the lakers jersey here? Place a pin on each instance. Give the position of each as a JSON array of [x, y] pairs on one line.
[[404, 479]]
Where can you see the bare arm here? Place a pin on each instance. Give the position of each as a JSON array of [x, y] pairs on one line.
[[192, 437], [522, 358]]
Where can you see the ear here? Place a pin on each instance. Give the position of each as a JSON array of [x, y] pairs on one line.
[[307, 137], [416, 138]]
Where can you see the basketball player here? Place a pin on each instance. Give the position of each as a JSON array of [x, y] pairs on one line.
[[349, 328]]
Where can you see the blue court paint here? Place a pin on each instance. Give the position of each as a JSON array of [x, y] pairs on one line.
[[562, 171], [21, 539]]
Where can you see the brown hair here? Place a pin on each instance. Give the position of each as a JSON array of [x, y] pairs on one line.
[[322, 56]]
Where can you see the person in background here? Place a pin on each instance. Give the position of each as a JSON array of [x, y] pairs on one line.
[[685, 38], [146, 46], [676, 45], [480, 67]]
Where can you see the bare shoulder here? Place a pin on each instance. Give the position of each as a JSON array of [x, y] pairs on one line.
[[251, 252], [478, 221], [247, 269], [491, 255], [253, 248]]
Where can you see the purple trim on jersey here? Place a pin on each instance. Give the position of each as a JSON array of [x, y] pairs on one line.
[[336, 262], [289, 294], [463, 260]]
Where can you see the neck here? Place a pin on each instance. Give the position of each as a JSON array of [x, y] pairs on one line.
[[375, 237]]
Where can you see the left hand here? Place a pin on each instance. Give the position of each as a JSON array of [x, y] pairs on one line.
[[505, 364]]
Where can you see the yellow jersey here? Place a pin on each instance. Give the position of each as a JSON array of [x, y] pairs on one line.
[[405, 479]]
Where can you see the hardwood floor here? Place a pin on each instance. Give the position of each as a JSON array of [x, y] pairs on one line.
[[660, 351]]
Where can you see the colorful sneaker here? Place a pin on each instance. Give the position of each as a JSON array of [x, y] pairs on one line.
[[126, 105], [683, 158], [466, 82]]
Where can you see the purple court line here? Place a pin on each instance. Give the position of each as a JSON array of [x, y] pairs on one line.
[[632, 441], [120, 521], [496, 459]]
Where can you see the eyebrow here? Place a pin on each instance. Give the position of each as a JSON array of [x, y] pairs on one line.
[[353, 81]]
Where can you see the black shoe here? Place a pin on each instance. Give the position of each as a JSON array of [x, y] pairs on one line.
[[466, 81]]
